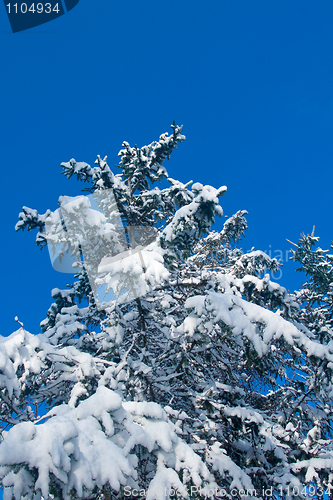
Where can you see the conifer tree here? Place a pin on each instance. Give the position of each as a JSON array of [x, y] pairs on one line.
[[199, 377]]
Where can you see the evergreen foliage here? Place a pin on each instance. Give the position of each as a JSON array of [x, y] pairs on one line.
[[212, 381]]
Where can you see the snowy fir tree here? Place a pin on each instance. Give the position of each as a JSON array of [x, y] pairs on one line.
[[193, 376]]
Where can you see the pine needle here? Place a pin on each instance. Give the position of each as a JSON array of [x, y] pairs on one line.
[[292, 243]]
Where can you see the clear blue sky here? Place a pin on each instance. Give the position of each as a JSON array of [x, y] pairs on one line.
[[252, 83]]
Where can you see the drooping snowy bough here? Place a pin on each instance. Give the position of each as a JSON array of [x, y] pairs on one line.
[[195, 376]]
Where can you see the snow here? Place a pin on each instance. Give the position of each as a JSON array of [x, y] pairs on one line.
[[165, 481], [314, 463], [146, 409], [72, 446], [203, 194], [133, 273], [243, 414], [19, 349], [222, 463], [80, 448], [243, 316]]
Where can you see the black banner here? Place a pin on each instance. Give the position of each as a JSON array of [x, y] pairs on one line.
[[70, 4], [28, 14]]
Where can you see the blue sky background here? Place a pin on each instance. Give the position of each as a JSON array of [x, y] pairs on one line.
[[252, 83]]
